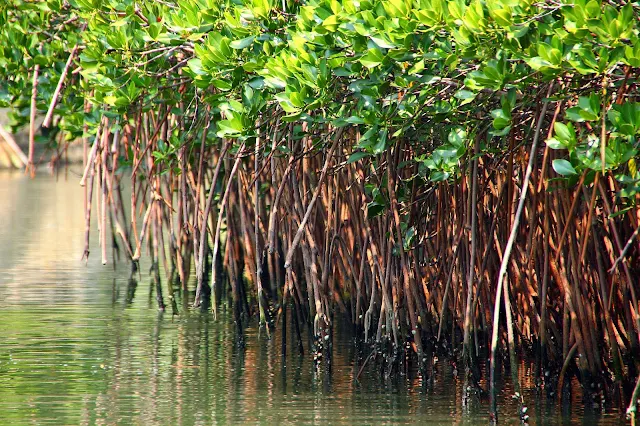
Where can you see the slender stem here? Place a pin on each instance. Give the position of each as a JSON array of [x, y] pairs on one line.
[[303, 224], [32, 120], [56, 93], [205, 216], [223, 203], [507, 254]]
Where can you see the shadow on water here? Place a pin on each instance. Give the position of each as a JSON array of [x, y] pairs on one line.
[[81, 344]]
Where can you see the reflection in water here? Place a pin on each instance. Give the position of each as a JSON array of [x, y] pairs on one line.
[[80, 344]]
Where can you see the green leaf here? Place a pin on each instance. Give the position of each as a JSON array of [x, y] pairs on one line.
[[500, 119], [383, 42], [565, 133], [457, 137], [286, 103], [374, 209], [417, 68], [554, 143], [357, 156], [372, 58], [241, 44], [466, 96], [503, 17], [341, 122], [550, 54], [563, 167], [408, 237], [331, 23], [573, 114], [439, 176]]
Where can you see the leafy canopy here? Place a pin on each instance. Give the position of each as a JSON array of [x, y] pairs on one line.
[[430, 72]]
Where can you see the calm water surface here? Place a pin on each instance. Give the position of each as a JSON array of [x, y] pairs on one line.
[[74, 350]]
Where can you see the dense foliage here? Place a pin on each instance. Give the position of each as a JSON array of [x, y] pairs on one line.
[[419, 113], [432, 72]]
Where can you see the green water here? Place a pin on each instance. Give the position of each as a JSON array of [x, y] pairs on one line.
[[74, 350]]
